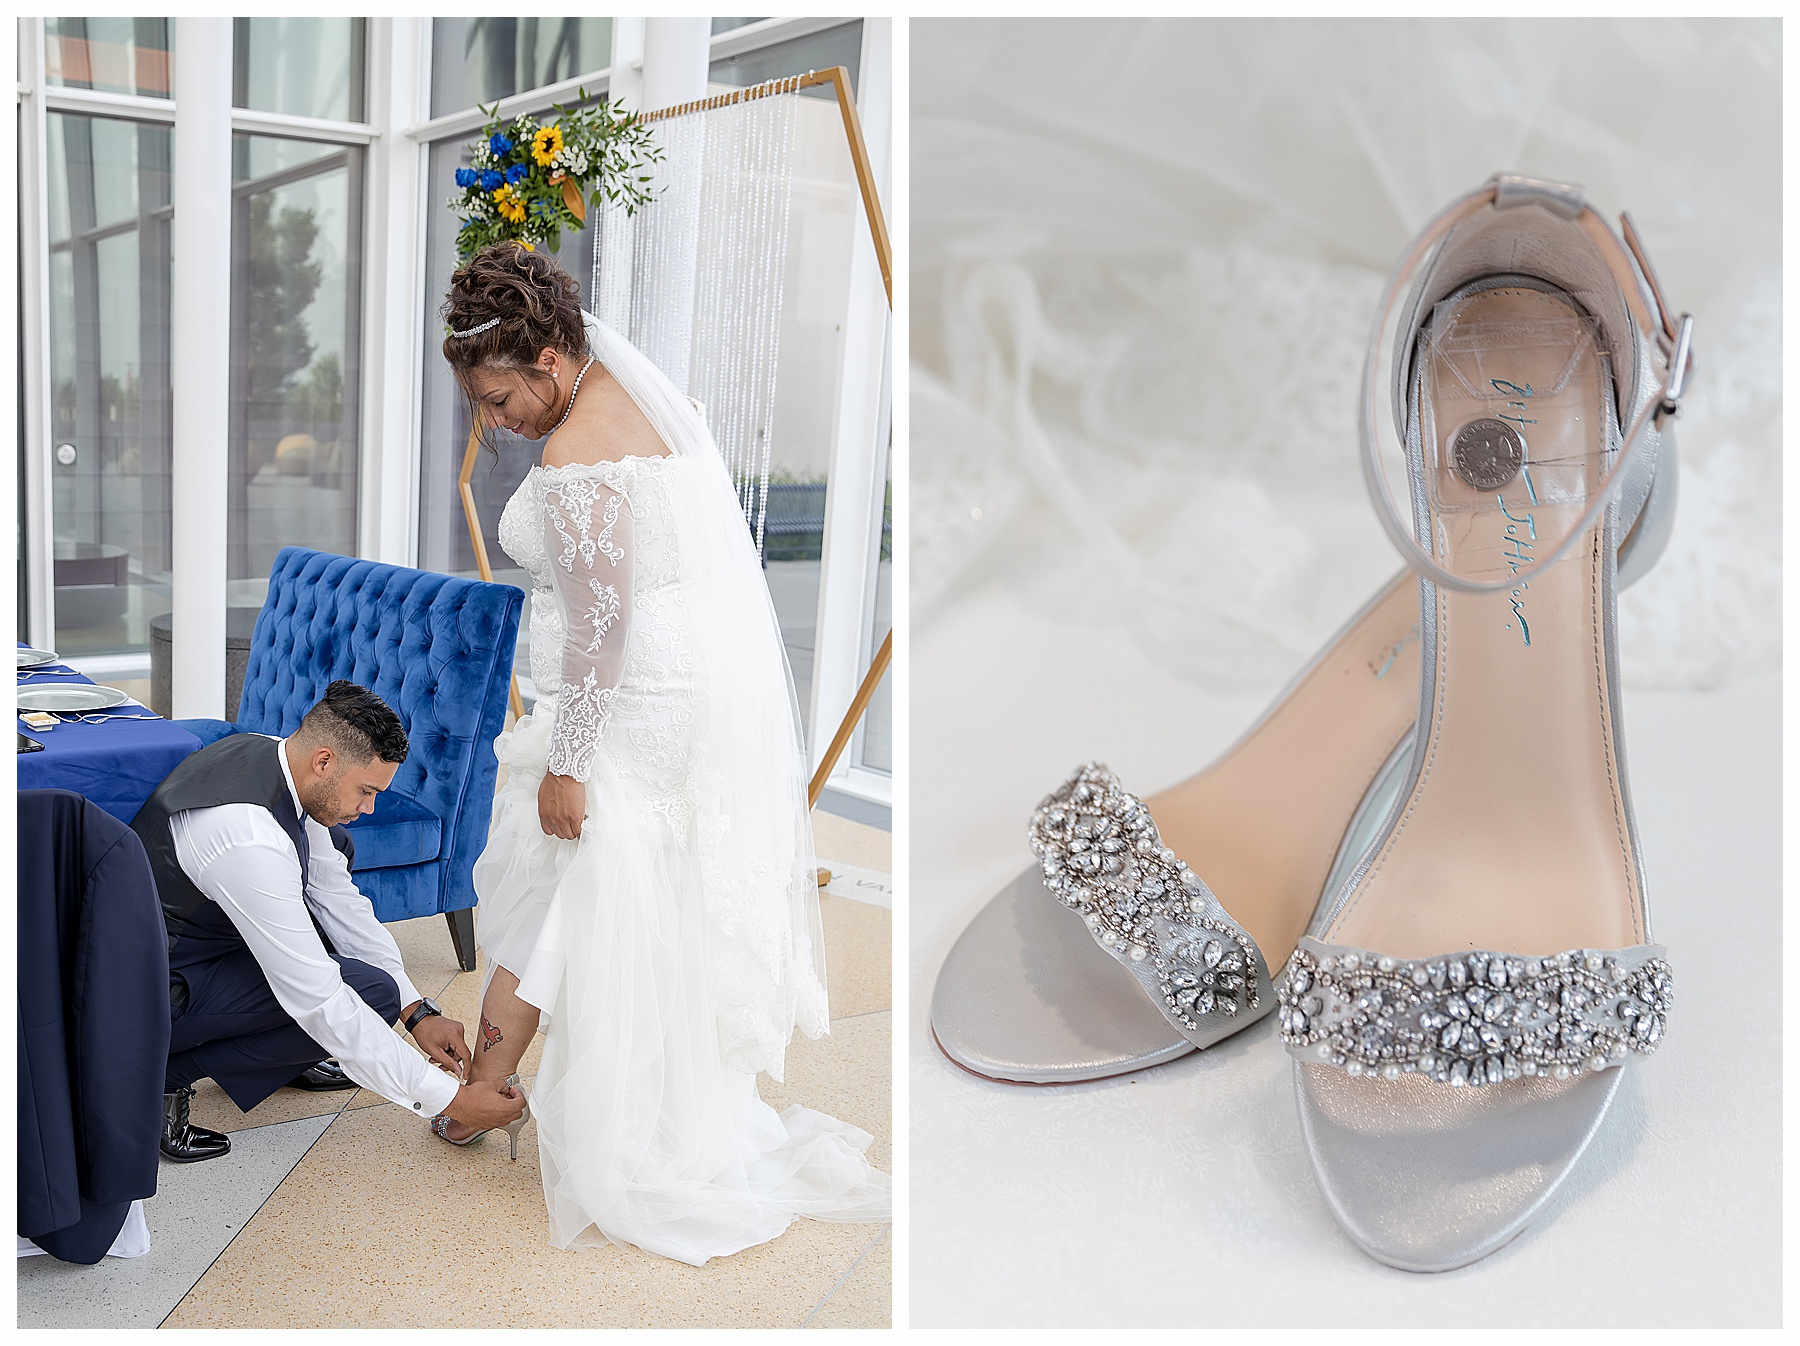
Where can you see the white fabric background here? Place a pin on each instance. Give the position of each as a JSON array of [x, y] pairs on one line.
[[1145, 255]]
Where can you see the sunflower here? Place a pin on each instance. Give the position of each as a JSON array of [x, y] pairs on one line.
[[507, 202], [546, 144]]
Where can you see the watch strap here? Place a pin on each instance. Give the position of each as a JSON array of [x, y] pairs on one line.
[[425, 1011]]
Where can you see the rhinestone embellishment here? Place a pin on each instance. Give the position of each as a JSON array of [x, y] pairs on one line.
[[1103, 858], [1477, 1018]]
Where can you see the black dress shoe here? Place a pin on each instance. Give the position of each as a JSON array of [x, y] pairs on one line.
[[184, 1142], [323, 1078]]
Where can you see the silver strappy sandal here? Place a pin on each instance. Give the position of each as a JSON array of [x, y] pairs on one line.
[[1151, 927], [440, 1125], [1463, 1000]]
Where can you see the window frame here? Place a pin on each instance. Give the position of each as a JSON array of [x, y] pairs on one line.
[[37, 98], [398, 134]]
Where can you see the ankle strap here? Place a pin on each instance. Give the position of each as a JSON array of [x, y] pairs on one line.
[[1631, 270]]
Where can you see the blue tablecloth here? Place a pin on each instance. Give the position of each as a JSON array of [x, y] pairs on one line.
[[117, 763]]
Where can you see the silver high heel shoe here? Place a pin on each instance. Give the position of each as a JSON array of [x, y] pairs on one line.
[[440, 1125], [1150, 927], [1480, 971], [512, 1129]]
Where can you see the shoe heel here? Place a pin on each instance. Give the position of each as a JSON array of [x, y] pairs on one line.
[[512, 1130]]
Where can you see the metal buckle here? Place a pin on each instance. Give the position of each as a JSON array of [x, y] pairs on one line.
[[1680, 363], [1676, 337]]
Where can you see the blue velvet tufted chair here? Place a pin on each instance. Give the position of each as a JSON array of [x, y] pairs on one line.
[[439, 650]]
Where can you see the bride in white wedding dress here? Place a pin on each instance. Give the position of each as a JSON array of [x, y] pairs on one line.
[[647, 889]]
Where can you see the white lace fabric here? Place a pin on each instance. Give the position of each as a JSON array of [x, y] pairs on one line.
[[675, 946], [590, 536]]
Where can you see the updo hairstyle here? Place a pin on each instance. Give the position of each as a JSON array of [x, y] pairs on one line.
[[538, 305]]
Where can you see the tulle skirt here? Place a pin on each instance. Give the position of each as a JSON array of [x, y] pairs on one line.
[[645, 1135]]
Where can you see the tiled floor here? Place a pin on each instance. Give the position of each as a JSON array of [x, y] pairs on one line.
[[339, 1210]]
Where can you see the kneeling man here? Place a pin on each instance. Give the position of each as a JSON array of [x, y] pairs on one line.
[[276, 961]]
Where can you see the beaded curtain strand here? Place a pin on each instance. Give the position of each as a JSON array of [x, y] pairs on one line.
[[696, 281]]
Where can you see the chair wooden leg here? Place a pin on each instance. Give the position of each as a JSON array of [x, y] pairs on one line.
[[462, 936]]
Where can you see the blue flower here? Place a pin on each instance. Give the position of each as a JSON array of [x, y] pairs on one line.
[[491, 180], [517, 174], [466, 177], [500, 145]]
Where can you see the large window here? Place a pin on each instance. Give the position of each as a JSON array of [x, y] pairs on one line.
[[480, 61], [129, 56], [108, 293], [296, 248], [300, 67]]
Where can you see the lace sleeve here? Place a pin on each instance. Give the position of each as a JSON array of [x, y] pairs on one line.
[[588, 532]]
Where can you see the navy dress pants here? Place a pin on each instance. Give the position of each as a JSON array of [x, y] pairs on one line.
[[235, 1032]]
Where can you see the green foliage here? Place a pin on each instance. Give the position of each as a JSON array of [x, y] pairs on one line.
[[318, 400], [283, 281], [600, 149]]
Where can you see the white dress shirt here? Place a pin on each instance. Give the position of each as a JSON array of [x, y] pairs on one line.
[[239, 857]]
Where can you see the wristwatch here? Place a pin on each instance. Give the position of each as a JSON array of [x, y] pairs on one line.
[[427, 1007]]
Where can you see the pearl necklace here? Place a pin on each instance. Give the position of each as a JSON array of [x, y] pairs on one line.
[[572, 391]]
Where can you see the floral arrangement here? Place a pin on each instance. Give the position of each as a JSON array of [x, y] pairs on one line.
[[528, 181]]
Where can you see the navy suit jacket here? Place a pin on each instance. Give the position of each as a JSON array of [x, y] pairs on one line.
[[93, 1024]]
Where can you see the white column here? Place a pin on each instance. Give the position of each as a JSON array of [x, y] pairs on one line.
[[676, 54], [34, 314], [626, 84], [200, 355], [394, 250], [844, 644]]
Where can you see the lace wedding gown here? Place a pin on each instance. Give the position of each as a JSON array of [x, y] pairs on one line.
[[673, 948]]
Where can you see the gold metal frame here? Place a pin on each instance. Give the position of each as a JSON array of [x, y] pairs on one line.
[[839, 80]]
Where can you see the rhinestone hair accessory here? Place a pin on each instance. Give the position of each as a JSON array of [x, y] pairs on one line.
[[1102, 856], [1474, 1018], [476, 331]]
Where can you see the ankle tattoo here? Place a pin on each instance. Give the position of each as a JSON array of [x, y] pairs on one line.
[[490, 1035]]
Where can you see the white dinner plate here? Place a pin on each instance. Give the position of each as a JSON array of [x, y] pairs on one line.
[[70, 696], [35, 658]]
